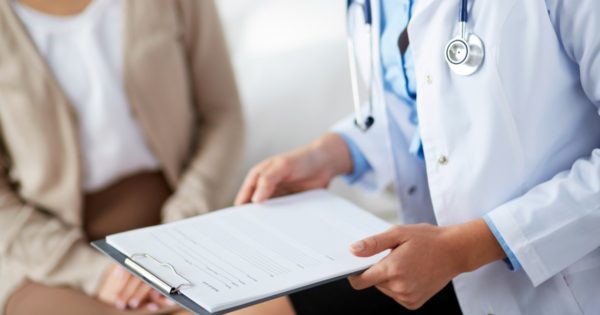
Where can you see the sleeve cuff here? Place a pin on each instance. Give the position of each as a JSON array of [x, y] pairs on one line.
[[360, 165], [511, 260]]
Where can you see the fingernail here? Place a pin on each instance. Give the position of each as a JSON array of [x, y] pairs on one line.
[[152, 307], [134, 303], [358, 246], [120, 305]]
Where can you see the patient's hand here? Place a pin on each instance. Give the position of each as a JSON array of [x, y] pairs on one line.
[[310, 167], [125, 291]]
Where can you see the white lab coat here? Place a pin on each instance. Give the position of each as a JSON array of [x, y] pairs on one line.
[[521, 139]]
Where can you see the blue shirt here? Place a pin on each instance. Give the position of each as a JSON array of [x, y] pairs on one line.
[[398, 70], [399, 79]]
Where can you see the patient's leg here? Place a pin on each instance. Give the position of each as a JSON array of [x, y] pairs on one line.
[[280, 306], [33, 299]]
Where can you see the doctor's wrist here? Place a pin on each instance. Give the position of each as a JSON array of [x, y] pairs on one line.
[[331, 152], [475, 244]]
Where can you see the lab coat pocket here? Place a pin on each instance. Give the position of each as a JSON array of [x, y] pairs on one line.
[[581, 278]]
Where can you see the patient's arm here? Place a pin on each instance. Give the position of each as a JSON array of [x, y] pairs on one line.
[[206, 183], [38, 246]]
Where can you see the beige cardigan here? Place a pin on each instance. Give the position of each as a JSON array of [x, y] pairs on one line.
[[181, 88]]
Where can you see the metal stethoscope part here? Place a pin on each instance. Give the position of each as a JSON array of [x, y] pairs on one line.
[[360, 120], [464, 55]]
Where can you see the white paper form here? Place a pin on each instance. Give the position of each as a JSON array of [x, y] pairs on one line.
[[243, 254]]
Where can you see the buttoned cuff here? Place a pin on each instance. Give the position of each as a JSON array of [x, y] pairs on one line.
[[360, 165], [511, 260]]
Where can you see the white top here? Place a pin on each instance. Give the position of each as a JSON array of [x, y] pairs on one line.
[[85, 53]]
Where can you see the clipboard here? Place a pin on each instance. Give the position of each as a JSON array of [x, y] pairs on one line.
[[172, 291], [150, 278]]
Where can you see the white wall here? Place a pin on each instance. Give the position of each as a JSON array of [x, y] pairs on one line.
[[291, 65]]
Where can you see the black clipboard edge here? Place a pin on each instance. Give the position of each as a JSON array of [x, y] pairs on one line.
[[186, 302], [119, 258]]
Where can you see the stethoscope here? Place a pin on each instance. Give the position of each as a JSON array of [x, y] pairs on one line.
[[464, 54], [360, 12]]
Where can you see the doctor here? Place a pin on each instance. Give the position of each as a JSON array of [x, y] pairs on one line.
[[492, 142]]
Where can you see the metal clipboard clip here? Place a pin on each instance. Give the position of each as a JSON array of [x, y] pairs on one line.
[[153, 278]]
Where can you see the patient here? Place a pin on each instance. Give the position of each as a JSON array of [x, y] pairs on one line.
[[114, 115]]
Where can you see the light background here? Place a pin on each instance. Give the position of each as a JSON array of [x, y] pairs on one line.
[[292, 71]]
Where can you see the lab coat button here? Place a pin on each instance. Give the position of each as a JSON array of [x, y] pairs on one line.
[[442, 160], [412, 190], [429, 79]]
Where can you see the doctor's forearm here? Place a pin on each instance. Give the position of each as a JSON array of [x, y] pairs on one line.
[[331, 151], [309, 167]]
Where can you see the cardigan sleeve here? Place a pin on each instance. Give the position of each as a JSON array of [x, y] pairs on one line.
[[37, 246], [206, 184]]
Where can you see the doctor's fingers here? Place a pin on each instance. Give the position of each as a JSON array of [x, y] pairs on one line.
[[410, 302], [375, 244], [269, 178], [249, 185], [371, 277], [399, 298], [262, 180]]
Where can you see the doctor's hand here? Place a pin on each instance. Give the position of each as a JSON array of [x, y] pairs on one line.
[[310, 167], [424, 258]]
